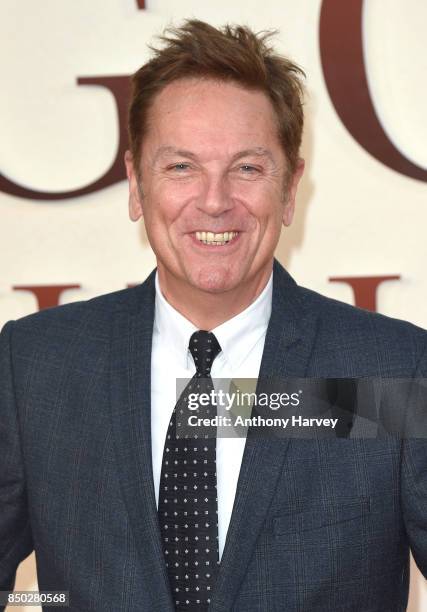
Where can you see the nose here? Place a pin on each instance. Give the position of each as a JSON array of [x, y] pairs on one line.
[[215, 198]]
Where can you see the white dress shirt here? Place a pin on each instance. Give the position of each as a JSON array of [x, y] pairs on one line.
[[242, 342]]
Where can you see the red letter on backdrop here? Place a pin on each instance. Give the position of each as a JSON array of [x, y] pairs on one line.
[[341, 53], [119, 86], [364, 288], [46, 295]]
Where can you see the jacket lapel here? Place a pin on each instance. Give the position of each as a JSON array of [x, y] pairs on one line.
[[289, 339], [131, 420]]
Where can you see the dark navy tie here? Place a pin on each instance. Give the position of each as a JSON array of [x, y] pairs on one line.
[[188, 504]]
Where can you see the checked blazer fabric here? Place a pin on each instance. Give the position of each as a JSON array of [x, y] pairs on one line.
[[188, 503], [316, 524]]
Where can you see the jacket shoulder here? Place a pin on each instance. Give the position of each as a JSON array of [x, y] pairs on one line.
[[89, 321], [396, 345], [102, 306]]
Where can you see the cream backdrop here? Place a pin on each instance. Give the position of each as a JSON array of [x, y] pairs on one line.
[[355, 216]]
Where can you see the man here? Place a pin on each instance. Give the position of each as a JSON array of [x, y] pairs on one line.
[[88, 418]]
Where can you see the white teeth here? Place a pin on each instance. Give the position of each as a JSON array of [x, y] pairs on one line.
[[215, 239]]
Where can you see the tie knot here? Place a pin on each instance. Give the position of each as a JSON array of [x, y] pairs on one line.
[[204, 347]]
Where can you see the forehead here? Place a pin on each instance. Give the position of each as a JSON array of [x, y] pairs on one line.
[[218, 113]]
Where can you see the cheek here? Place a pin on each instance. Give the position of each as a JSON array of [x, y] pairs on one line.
[[163, 205], [266, 205]]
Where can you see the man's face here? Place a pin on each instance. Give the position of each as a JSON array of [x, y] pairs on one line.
[[212, 186]]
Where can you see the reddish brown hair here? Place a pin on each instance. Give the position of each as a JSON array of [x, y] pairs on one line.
[[232, 53]]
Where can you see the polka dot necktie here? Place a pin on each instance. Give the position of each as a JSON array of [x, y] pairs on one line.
[[188, 505]]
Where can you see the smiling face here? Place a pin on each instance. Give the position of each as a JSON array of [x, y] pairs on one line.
[[211, 187]]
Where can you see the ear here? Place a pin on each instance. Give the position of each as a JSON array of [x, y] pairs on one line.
[[288, 212], [135, 193]]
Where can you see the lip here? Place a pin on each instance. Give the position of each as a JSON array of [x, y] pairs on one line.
[[213, 247]]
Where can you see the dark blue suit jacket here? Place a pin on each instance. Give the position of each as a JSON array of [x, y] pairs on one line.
[[317, 525]]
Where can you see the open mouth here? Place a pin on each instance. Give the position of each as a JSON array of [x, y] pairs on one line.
[[216, 239]]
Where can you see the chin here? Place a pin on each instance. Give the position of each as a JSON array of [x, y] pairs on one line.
[[214, 280]]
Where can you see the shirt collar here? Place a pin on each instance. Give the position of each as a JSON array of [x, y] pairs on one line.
[[246, 328], [249, 325]]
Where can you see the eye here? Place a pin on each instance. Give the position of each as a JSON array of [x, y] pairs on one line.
[[180, 167], [248, 169]]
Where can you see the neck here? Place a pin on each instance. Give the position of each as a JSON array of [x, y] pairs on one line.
[[209, 310]]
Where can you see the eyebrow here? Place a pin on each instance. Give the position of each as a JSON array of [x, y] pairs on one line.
[[255, 152], [169, 151]]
